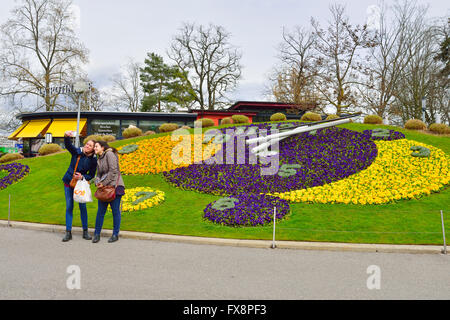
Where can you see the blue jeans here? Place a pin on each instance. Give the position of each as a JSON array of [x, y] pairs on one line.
[[102, 207], [69, 210]]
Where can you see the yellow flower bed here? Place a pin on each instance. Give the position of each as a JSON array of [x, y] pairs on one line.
[[155, 155], [394, 175], [130, 197]]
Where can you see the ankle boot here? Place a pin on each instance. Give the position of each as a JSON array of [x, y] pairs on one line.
[[86, 235], [68, 236], [114, 238], [96, 238]]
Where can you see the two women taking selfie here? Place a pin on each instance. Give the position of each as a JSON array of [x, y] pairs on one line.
[[95, 156]]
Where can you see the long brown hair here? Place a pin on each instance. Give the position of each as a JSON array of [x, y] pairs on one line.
[[106, 146]]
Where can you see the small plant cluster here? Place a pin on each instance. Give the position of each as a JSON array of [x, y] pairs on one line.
[[16, 172], [437, 128], [246, 210], [383, 134], [50, 148], [141, 198], [311, 116], [98, 137], [10, 157]]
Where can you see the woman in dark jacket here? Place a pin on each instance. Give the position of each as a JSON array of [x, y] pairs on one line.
[[108, 174], [86, 168]]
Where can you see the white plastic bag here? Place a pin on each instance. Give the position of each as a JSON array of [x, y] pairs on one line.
[[82, 192]]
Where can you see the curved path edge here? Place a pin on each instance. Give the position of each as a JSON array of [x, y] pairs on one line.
[[330, 246]]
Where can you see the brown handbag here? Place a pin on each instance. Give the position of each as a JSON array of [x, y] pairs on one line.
[[107, 193], [74, 181]]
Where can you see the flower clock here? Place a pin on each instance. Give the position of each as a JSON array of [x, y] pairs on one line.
[[326, 166], [12, 173]]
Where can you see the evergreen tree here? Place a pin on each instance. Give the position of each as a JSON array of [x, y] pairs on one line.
[[164, 86]]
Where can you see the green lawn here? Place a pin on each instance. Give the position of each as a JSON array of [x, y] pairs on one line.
[[40, 198]]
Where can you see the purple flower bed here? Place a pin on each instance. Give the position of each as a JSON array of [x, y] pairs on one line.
[[250, 210], [328, 155], [393, 135], [16, 172]]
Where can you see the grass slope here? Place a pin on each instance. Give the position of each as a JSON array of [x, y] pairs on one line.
[[40, 198]]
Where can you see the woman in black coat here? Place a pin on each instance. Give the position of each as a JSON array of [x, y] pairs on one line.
[[87, 167]]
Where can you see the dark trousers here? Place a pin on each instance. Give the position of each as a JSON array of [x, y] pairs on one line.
[[102, 207], [69, 210]]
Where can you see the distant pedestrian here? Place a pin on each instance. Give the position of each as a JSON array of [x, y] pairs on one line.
[[108, 174], [83, 164]]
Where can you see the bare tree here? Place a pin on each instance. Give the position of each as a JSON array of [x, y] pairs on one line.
[[388, 60], [293, 80], [39, 49], [337, 58], [127, 91], [421, 77], [211, 63]]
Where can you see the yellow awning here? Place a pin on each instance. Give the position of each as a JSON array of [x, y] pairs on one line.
[[15, 133], [33, 129], [59, 126]]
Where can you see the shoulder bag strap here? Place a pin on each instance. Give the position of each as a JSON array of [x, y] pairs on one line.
[[76, 166], [118, 175]]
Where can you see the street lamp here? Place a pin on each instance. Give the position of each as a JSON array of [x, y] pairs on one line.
[[48, 138], [79, 87]]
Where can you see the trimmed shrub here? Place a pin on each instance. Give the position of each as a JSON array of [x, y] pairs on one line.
[[332, 116], [439, 128], [238, 118], [204, 123], [373, 119], [11, 157], [98, 137], [131, 132], [278, 117], [108, 138], [311, 116], [49, 149], [168, 127], [94, 137], [149, 133], [226, 120], [415, 124]]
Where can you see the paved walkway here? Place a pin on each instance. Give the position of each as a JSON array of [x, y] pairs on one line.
[[34, 265]]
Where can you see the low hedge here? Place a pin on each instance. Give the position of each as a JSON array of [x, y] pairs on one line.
[[204, 123], [278, 117], [238, 118], [332, 116], [439, 128], [168, 127], [226, 120], [131, 132], [97, 137], [11, 157], [415, 124], [311, 116], [373, 119], [49, 149]]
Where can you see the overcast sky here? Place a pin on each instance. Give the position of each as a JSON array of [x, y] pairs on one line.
[[115, 30]]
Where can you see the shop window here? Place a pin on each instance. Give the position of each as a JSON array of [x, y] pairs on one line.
[[106, 127]]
